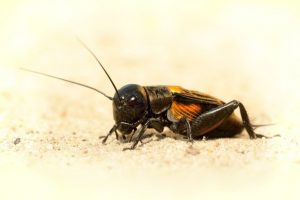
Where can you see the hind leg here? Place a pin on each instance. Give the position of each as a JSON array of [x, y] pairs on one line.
[[210, 120]]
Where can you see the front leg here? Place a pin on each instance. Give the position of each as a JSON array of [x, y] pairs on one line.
[[141, 132], [113, 129]]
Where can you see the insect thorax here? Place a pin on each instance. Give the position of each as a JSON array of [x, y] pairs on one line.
[[160, 98]]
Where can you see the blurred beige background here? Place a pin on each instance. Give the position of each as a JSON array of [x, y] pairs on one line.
[[231, 49]]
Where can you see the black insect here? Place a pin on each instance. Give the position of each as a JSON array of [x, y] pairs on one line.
[[186, 112]]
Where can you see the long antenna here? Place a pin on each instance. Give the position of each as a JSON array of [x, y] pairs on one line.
[[93, 54], [83, 85]]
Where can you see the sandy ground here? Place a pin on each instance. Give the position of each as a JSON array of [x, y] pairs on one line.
[[49, 146]]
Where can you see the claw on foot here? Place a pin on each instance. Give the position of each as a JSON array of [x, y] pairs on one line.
[[263, 136], [128, 148]]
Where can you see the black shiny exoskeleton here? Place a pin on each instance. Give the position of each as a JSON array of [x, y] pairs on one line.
[[185, 112]]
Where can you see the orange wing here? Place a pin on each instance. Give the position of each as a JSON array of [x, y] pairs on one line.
[[189, 103], [194, 96], [179, 110]]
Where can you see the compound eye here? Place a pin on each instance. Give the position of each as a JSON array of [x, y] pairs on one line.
[[132, 101]]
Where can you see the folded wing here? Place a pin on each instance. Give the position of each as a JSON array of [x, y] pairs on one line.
[[189, 103]]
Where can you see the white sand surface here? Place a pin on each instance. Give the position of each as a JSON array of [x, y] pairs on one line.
[[49, 146]]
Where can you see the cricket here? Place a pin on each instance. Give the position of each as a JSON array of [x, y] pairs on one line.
[[186, 112]]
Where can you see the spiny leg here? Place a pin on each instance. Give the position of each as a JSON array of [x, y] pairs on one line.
[[113, 129], [209, 120], [141, 133], [116, 126], [188, 130], [157, 125], [183, 127], [132, 134], [245, 119], [116, 134], [187, 126], [248, 126]]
